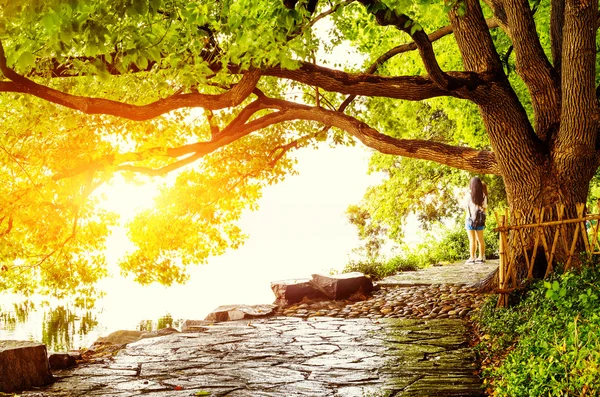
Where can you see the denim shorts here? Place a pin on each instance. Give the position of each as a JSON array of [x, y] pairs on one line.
[[468, 226]]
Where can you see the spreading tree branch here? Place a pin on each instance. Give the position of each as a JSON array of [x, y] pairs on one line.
[[329, 12], [438, 34], [90, 105], [454, 156], [411, 88], [464, 158]]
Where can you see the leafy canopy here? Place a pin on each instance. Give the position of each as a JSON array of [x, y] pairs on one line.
[[219, 95]]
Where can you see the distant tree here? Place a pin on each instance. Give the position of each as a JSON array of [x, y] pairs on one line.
[[223, 91]]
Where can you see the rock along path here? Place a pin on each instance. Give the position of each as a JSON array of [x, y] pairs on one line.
[[362, 353]]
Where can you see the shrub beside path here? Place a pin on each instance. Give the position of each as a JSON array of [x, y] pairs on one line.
[[383, 346]]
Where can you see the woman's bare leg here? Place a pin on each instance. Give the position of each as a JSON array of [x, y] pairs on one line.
[[481, 241], [472, 243]]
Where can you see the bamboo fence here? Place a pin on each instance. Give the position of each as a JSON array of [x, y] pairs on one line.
[[586, 231]]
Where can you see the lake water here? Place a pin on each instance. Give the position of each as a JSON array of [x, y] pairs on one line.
[[300, 229]]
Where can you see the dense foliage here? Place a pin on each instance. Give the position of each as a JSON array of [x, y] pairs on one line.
[[220, 95], [548, 344]]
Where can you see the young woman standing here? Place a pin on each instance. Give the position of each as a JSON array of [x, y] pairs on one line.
[[476, 198]]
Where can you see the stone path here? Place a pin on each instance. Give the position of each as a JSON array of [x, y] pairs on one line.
[[371, 350], [459, 273], [287, 357]]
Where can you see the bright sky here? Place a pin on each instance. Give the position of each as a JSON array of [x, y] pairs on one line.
[[300, 229]]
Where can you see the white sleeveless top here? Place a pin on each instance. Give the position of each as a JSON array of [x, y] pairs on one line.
[[467, 204]]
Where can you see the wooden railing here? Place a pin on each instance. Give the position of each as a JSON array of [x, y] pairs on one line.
[[548, 235]]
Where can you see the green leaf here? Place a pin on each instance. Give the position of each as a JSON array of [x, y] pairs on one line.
[[50, 21], [26, 60], [141, 62], [414, 28], [155, 5], [547, 284]]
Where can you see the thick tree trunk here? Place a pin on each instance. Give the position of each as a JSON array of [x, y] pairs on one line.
[[527, 195]]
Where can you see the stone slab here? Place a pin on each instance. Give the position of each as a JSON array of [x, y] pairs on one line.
[[292, 291], [23, 364], [457, 273], [239, 312], [342, 286]]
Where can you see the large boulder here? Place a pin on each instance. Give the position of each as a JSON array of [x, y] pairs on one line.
[[288, 292], [342, 286], [239, 312], [23, 365]]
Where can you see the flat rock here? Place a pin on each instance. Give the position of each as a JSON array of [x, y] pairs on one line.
[[166, 331], [342, 286], [239, 312], [121, 337], [456, 273], [288, 292], [23, 364], [124, 337], [195, 326], [282, 356]]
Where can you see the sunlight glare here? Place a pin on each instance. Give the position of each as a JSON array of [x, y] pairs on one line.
[[128, 198]]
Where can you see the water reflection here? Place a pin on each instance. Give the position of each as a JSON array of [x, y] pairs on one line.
[[19, 314], [61, 325], [162, 322]]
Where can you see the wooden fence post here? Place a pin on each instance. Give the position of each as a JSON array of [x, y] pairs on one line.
[[502, 298], [507, 275]]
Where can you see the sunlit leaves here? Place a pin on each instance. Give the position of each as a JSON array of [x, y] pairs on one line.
[[196, 217]]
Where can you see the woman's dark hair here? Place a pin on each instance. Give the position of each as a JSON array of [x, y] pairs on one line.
[[476, 191]]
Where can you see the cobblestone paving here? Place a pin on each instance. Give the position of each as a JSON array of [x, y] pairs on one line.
[[434, 292], [424, 302]]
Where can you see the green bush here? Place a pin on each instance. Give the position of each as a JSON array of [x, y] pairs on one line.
[[378, 269], [371, 267], [552, 336]]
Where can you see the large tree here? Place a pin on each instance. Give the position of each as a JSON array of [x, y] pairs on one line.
[[222, 92]]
